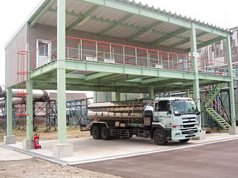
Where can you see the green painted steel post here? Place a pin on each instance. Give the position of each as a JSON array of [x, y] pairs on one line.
[[196, 92], [29, 109], [231, 83], [61, 80], [118, 96], [151, 92], [9, 111]]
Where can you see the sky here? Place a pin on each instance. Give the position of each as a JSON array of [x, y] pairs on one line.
[[222, 13]]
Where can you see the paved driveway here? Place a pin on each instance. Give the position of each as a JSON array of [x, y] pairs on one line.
[[218, 160]]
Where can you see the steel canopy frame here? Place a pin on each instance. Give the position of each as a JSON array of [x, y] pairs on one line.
[[61, 66]]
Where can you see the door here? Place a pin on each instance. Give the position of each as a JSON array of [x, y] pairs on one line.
[[43, 52]]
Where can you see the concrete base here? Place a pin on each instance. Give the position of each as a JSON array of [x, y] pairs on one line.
[[233, 130], [202, 135], [62, 150], [28, 144], [9, 139]]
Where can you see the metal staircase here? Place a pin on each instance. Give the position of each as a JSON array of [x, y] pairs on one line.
[[216, 110]]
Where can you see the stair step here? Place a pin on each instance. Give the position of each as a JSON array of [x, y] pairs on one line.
[[217, 118]]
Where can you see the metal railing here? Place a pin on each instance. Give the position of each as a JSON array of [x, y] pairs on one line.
[[81, 49]]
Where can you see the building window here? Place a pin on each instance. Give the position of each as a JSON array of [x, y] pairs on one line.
[[43, 52]]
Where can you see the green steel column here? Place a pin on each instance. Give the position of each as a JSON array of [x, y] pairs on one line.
[[9, 112], [61, 81], [151, 92], [29, 109], [231, 83], [118, 96], [188, 93], [196, 92]]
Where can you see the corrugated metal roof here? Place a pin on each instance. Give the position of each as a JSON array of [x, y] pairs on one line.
[[152, 8], [118, 23]]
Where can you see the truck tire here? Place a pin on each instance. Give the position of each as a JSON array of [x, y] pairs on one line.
[[95, 132], [159, 137], [104, 133], [184, 141]]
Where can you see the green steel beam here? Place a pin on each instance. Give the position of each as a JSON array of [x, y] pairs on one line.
[[71, 13], [81, 18], [169, 36], [144, 30], [115, 24], [203, 76], [210, 42], [97, 75], [152, 80], [42, 9], [75, 76], [9, 112], [213, 30], [43, 69], [29, 109], [61, 72], [165, 17], [187, 40], [121, 69], [111, 22], [231, 83]]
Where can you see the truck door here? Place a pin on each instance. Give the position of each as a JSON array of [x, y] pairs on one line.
[[162, 112]]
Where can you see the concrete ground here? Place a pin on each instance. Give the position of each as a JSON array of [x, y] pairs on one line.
[[218, 160], [89, 150]]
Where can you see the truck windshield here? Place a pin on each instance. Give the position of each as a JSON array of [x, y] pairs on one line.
[[184, 106]]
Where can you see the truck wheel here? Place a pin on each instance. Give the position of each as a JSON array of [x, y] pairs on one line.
[[159, 137], [184, 141], [96, 132], [105, 133]]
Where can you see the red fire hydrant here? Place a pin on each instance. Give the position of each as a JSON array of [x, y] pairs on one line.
[[36, 139]]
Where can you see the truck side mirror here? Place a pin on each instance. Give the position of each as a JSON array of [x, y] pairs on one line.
[[169, 112], [177, 113], [197, 113]]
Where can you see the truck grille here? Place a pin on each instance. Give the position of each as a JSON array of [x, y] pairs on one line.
[[189, 120]]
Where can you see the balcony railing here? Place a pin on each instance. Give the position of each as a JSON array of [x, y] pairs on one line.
[[81, 49]]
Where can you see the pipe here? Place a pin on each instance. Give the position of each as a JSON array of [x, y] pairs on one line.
[[37, 94], [15, 101], [2, 92]]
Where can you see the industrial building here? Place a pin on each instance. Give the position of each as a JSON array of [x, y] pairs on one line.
[[112, 46]]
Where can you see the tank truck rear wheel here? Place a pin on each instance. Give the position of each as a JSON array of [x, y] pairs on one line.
[[96, 132], [105, 133]]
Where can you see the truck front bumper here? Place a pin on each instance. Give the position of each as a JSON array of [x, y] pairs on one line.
[[184, 134]]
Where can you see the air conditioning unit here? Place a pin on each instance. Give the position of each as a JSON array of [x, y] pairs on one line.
[[158, 66], [89, 58], [108, 60]]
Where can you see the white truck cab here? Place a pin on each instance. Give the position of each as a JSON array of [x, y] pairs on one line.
[[178, 116]]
